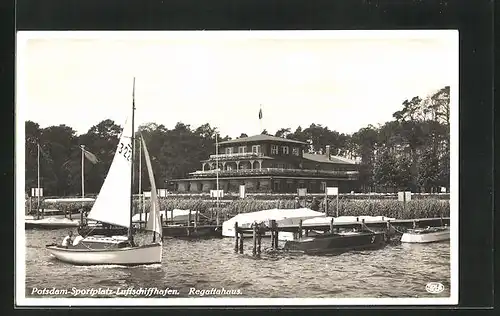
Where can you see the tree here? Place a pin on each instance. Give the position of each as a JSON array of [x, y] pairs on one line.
[[385, 171], [265, 132], [282, 132]]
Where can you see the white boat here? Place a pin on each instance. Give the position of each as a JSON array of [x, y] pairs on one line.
[[50, 222], [113, 206], [281, 216], [426, 235]]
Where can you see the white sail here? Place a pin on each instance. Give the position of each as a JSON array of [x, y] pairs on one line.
[[112, 205], [154, 222]]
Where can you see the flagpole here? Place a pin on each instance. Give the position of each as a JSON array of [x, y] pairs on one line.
[[217, 173], [140, 181], [83, 170], [130, 236], [38, 175]]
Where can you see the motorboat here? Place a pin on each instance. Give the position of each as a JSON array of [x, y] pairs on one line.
[[335, 243], [426, 235]]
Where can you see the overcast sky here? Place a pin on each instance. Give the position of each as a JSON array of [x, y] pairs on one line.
[[343, 80]]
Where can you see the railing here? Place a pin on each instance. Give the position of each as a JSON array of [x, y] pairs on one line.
[[277, 171], [236, 155]]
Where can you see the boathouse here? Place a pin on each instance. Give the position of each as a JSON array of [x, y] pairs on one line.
[[265, 163]]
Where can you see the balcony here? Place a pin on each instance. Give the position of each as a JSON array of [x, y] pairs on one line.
[[351, 175], [236, 156]]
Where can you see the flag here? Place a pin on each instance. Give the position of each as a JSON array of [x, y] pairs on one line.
[[90, 156], [260, 114]]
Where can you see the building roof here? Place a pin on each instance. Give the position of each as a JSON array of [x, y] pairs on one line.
[[258, 138], [324, 159]]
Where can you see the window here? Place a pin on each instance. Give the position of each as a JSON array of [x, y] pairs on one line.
[[256, 149], [229, 150], [285, 150], [242, 149], [274, 149], [295, 151]]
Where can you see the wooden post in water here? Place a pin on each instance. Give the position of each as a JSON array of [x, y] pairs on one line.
[[363, 226], [276, 236], [259, 241], [300, 228], [306, 231], [171, 216], [236, 237], [30, 206], [241, 242], [254, 250], [273, 224], [81, 217], [70, 214], [414, 224], [189, 218], [331, 226]]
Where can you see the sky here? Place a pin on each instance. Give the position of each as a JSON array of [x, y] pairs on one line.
[[343, 80]]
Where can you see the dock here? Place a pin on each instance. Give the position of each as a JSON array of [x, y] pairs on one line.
[[258, 230], [193, 227]]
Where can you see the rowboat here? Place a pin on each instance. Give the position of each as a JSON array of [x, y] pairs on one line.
[[426, 235]]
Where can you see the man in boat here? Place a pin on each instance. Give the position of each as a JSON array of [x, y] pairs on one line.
[[77, 240], [67, 240]]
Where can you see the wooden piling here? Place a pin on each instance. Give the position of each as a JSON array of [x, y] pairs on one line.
[[273, 233], [363, 226], [276, 235], [254, 250], [300, 228], [189, 218], [306, 231], [236, 237], [241, 242], [259, 242], [171, 216], [81, 217], [414, 224], [331, 226]]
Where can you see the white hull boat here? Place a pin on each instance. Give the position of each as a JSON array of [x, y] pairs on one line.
[[426, 235], [281, 216], [113, 206], [50, 223], [148, 254]]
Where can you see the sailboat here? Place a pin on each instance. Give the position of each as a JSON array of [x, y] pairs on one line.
[[113, 206]]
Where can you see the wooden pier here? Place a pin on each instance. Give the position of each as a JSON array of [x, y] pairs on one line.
[[258, 230], [191, 228]]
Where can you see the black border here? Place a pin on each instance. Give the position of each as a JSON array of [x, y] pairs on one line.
[[474, 19]]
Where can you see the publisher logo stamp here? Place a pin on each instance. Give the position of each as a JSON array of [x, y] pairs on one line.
[[434, 287]]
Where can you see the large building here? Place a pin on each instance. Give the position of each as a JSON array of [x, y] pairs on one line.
[[266, 163]]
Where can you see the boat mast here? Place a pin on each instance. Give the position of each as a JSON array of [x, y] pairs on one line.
[[132, 166], [38, 181]]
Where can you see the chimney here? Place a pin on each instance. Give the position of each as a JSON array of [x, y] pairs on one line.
[[327, 152]]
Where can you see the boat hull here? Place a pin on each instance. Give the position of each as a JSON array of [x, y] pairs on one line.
[[99, 230], [337, 243], [40, 224], [426, 236], [148, 254], [208, 231]]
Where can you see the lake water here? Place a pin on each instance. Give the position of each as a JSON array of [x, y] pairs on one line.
[[395, 271]]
